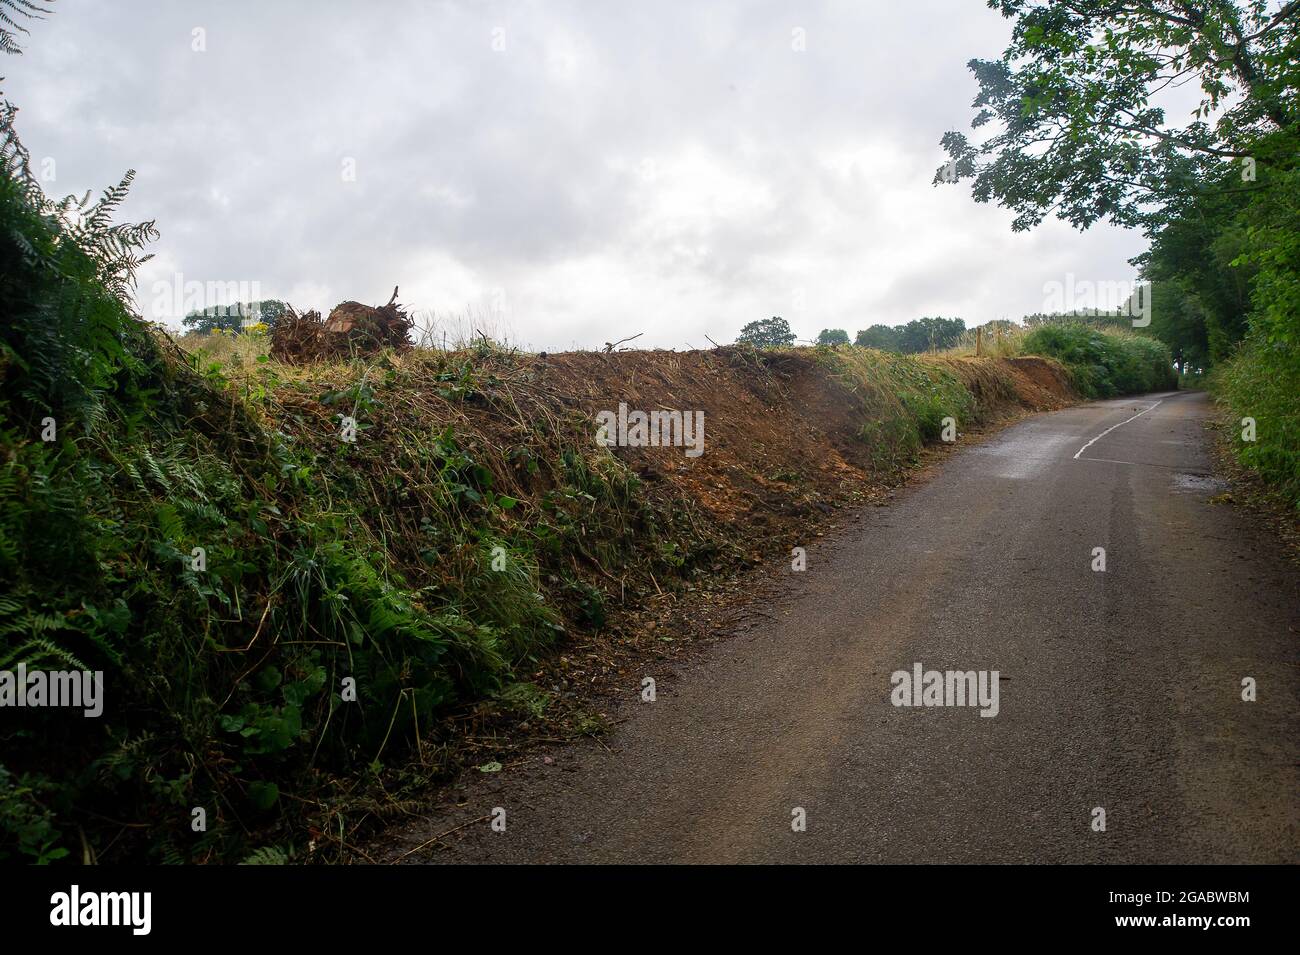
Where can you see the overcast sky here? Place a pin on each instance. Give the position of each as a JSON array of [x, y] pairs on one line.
[[569, 173]]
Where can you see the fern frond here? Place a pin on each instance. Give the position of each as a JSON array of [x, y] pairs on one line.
[[267, 855], [38, 653]]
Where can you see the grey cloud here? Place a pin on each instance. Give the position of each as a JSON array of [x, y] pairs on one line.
[[675, 168]]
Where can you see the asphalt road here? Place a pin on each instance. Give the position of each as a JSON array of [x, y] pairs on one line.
[[1119, 690]]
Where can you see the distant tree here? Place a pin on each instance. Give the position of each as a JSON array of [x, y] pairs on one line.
[[833, 336], [1203, 274], [882, 337], [232, 318], [217, 318], [270, 310], [1184, 323], [924, 334], [771, 332]]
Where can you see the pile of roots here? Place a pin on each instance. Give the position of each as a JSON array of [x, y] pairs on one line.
[[351, 329]]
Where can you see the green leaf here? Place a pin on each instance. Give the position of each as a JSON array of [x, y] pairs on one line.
[[263, 795]]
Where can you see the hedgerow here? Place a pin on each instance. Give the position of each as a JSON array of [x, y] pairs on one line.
[[1104, 365]]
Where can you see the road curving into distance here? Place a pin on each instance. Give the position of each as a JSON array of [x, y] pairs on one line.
[[1118, 690]]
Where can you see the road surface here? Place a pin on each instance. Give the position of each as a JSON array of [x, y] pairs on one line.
[[1119, 690]]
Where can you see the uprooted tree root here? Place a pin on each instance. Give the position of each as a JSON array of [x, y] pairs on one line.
[[352, 329]]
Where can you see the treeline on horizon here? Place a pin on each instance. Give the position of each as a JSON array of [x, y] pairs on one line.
[[939, 334]]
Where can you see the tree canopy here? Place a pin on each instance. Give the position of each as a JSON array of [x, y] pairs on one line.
[[1077, 127], [234, 318], [1076, 106], [918, 335], [833, 336], [771, 332]]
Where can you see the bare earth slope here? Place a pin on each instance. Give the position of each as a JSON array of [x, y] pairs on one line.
[[1119, 690]]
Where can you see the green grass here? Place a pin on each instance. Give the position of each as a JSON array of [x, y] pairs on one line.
[[903, 400]]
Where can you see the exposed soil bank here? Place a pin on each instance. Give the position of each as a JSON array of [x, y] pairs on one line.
[[1118, 691], [318, 591], [623, 541], [783, 431]]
